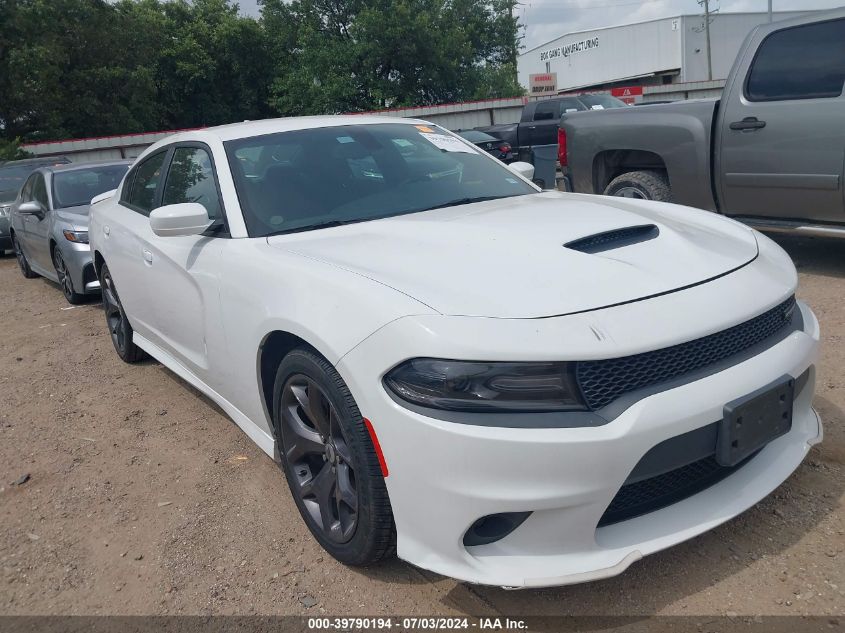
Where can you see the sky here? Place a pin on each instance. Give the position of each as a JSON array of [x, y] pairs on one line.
[[545, 20]]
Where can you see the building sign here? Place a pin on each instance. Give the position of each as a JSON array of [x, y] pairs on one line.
[[628, 94], [569, 49], [542, 83]]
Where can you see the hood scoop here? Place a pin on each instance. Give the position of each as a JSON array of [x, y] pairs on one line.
[[617, 238]]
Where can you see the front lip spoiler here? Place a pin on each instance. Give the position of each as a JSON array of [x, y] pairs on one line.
[[575, 579]]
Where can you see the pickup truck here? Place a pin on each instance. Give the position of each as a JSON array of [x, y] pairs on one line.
[[770, 152], [539, 121]]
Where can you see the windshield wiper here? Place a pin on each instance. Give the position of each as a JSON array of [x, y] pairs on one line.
[[312, 227], [460, 201]]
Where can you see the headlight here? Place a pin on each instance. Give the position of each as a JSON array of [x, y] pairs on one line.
[[80, 237], [486, 386], [5, 210]]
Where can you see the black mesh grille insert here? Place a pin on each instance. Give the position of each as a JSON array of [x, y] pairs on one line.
[[603, 381], [648, 495]]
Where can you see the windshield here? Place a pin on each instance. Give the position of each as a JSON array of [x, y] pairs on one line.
[[305, 179], [602, 102], [77, 187]]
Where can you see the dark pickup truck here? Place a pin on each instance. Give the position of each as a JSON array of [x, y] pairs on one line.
[[770, 152], [540, 119]]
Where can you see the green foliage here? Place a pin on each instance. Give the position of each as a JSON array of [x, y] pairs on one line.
[[353, 55], [77, 68], [11, 150]]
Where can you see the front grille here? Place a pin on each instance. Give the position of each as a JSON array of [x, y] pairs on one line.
[[603, 381], [651, 494]]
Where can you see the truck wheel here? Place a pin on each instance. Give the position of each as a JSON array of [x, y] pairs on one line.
[[644, 185]]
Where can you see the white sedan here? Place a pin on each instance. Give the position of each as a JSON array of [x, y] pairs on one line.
[[503, 385]]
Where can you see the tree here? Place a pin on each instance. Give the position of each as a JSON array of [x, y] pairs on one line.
[[351, 55], [79, 68], [11, 150], [63, 76], [213, 66]]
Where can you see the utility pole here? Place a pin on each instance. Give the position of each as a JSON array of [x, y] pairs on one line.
[[706, 4], [770, 10]]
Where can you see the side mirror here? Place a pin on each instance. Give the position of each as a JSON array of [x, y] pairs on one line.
[[526, 170], [172, 220], [33, 207]]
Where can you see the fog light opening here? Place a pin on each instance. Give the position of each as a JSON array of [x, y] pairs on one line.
[[493, 527]]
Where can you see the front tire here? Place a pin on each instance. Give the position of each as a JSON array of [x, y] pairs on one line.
[[23, 264], [65, 280], [117, 321], [642, 185], [330, 462]]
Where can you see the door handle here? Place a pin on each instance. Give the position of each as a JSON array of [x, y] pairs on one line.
[[148, 256], [748, 123], [106, 230]]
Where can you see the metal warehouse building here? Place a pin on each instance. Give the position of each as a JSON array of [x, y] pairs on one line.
[[655, 53]]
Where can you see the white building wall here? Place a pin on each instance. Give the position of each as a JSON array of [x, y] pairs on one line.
[[643, 49], [621, 52]]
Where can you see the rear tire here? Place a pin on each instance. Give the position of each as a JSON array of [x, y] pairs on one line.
[[329, 461], [23, 264], [641, 185], [117, 321]]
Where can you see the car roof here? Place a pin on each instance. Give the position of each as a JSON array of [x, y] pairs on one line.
[[249, 129], [37, 162], [80, 166]]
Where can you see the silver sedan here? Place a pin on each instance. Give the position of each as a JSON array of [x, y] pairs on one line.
[[49, 223]]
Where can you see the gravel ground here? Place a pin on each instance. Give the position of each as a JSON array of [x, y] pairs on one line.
[[143, 498]]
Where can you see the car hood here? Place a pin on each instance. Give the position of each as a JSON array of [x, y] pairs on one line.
[[75, 216], [506, 258]]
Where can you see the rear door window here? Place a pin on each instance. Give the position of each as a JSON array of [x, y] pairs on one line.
[[547, 111], [145, 184], [803, 62], [39, 191], [26, 190]]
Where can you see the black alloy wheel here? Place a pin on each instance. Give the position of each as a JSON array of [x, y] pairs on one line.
[[22, 263], [65, 280], [117, 322], [330, 461], [319, 457]]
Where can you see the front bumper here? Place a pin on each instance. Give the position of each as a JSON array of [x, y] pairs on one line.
[[445, 475], [80, 265]]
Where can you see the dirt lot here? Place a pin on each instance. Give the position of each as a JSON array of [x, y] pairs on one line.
[[144, 498]]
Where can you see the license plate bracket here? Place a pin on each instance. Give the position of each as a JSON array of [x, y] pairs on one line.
[[751, 422]]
